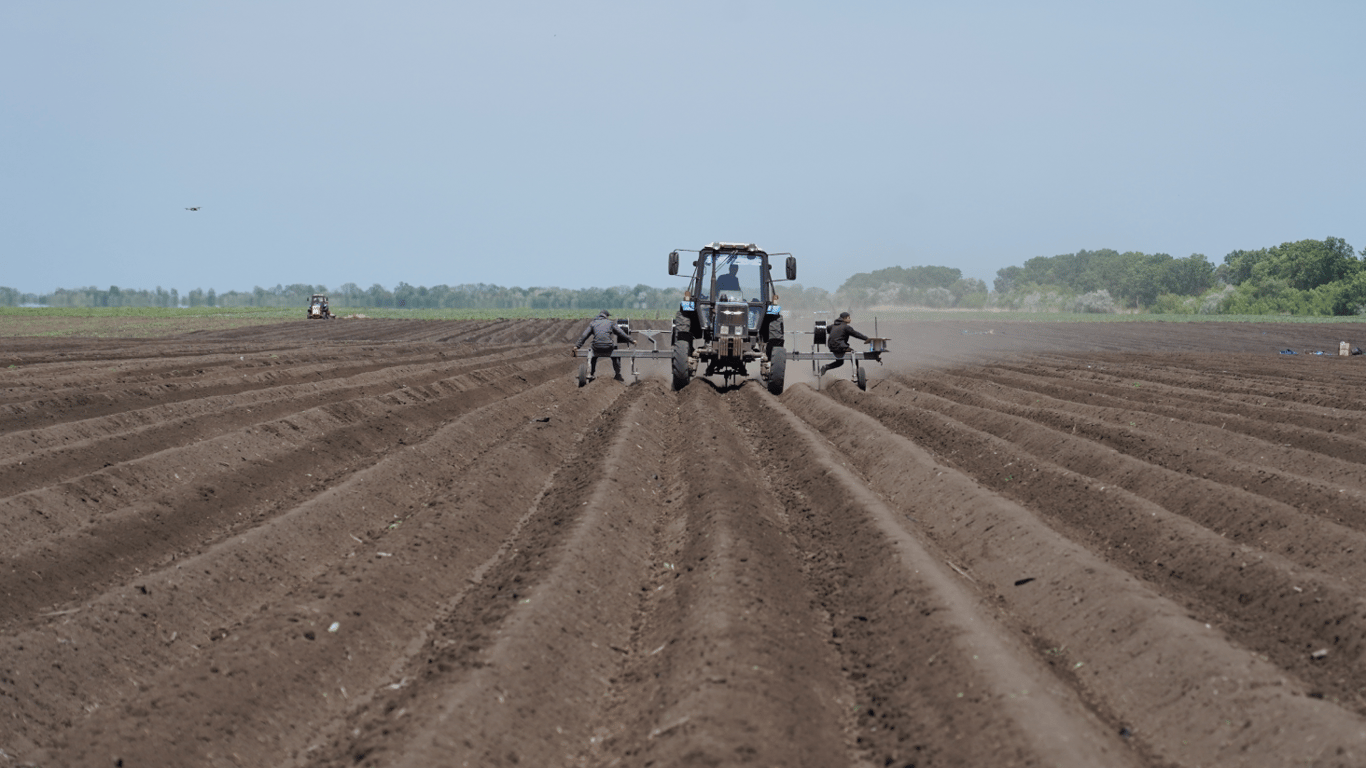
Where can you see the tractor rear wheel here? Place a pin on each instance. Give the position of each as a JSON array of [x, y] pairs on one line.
[[681, 351], [777, 369]]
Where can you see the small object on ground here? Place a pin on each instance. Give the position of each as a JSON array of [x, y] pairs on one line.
[[1356, 350], [336, 625], [1319, 654], [542, 419], [1287, 351]]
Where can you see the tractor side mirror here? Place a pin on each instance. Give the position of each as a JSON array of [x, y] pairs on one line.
[[673, 263], [791, 267]]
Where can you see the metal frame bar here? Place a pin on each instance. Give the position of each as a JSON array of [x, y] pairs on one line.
[[879, 345]]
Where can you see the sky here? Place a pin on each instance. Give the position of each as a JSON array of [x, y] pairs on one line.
[[575, 144]]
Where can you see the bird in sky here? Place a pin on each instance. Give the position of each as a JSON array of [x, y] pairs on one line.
[[197, 207]]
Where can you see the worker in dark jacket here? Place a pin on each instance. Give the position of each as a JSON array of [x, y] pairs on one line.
[[837, 339], [605, 334]]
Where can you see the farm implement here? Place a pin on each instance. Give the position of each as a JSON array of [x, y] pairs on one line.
[[729, 324]]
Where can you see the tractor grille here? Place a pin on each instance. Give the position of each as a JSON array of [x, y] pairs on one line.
[[730, 320], [731, 332]]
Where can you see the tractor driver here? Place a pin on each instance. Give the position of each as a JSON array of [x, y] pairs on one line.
[[605, 334], [838, 340], [729, 282]]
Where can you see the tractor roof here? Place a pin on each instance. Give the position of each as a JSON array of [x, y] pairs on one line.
[[751, 247]]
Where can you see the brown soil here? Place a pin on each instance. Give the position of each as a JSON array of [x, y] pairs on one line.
[[417, 543]]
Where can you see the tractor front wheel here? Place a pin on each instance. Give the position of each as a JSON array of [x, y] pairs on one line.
[[777, 369], [682, 349]]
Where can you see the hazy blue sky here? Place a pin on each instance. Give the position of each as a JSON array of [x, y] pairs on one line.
[[575, 144]]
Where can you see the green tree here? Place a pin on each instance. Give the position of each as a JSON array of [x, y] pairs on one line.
[[916, 277], [1008, 279], [1349, 296], [1303, 265], [1191, 276]]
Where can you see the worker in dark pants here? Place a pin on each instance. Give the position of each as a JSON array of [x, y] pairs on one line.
[[605, 334], [837, 339]]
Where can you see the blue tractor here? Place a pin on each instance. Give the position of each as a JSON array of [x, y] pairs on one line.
[[729, 320]]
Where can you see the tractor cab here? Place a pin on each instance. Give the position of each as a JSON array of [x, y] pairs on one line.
[[731, 292]]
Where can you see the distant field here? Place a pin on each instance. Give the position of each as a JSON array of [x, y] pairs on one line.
[[156, 322], [935, 315]]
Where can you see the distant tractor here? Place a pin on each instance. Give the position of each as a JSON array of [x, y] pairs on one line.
[[317, 307]]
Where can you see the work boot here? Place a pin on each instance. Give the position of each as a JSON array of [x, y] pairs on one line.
[[618, 377], [824, 368]]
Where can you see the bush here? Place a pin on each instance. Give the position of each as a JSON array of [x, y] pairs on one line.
[[1215, 302], [1041, 301], [1278, 297], [1348, 297], [937, 298], [1095, 302], [1173, 304], [973, 300]]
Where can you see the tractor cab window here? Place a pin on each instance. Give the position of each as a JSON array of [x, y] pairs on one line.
[[738, 276]]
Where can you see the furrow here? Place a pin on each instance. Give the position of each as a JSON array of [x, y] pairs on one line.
[[1186, 693], [1311, 483], [379, 555], [554, 612], [1271, 604], [63, 451], [1266, 423], [85, 534], [1114, 449], [937, 679], [115, 392], [731, 664]]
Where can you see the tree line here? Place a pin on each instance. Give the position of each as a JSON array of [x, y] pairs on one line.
[[1308, 277], [922, 286], [1132, 279], [352, 296]]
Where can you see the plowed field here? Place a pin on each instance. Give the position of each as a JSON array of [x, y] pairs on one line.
[[420, 543]]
